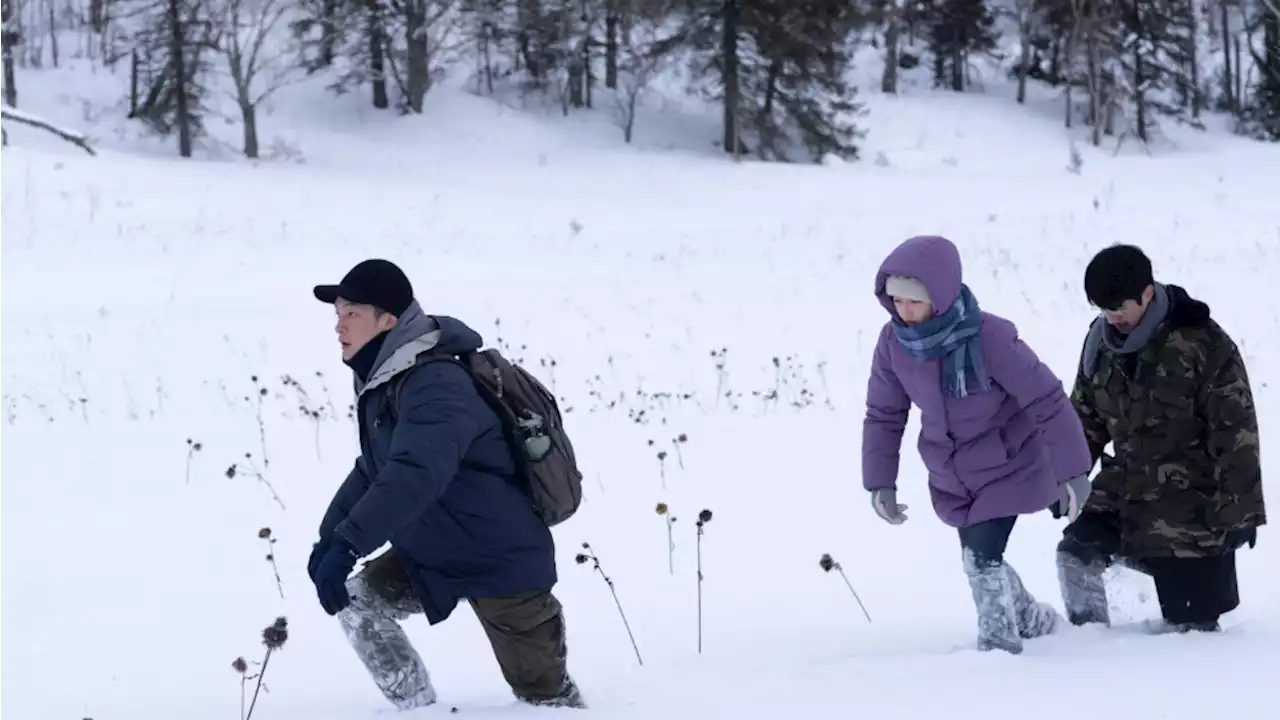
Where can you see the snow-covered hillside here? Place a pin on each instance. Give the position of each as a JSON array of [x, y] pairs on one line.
[[161, 345]]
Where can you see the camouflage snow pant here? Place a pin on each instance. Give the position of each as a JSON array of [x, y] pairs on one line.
[[1007, 613], [526, 632], [1193, 592]]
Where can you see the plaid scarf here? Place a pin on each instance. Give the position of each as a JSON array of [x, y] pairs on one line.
[[952, 337]]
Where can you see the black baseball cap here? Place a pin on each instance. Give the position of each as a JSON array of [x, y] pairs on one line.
[[375, 282]]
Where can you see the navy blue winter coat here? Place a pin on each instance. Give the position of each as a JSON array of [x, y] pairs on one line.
[[463, 529]]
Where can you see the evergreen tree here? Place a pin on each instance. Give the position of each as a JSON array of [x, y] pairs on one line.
[[957, 30]]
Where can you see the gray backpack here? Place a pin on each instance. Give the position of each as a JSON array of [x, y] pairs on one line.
[[532, 425]]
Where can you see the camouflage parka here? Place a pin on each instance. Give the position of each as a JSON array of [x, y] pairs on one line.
[[1185, 480]]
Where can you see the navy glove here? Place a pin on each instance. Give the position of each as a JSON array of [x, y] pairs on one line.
[[317, 554], [331, 575]]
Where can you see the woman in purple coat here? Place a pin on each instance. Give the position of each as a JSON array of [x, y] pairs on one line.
[[999, 437]]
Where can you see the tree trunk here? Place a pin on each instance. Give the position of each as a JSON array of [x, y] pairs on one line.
[[377, 60], [732, 99], [249, 114], [1095, 88], [133, 82], [7, 41], [1229, 87], [1024, 30], [98, 15], [892, 38], [178, 58], [611, 47], [329, 32], [1055, 61], [1193, 51], [53, 32], [415, 37], [1139, 95]]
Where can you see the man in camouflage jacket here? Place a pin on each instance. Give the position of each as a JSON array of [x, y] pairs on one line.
[[1167, 386]]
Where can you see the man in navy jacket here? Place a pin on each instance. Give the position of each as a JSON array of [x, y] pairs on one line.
[[435, 478]]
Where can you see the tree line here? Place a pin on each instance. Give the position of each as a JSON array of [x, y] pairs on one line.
[[779, 69]]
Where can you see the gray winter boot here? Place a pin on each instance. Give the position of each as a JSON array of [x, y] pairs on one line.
[[1084, 594], [371, 624], [1035, 619], [994, 601]]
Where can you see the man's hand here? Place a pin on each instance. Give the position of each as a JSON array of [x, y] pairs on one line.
[[317, 554], [331, 575]]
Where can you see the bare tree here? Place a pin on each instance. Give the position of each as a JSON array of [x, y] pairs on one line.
[[30, 120], [430, 30], [641, 59], [894, 11], [1025, 13], [256, 59]]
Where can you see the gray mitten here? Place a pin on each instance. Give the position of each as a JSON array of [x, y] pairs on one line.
[[885, 503], [1074, 494]]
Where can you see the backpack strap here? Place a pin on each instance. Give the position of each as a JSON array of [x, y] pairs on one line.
[[397, 382]]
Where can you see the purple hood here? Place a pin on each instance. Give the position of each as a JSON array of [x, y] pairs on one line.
[[931, 259]]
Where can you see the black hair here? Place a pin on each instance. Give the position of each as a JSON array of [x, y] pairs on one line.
[[1116, 274]]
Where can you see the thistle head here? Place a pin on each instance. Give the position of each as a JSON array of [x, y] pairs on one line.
[[264, 533], [704, 517], [581, 558], [239, 665], [661, 509], [826, 563], [275, 634]]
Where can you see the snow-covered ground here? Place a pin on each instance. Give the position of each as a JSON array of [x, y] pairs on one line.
[[146, 300]]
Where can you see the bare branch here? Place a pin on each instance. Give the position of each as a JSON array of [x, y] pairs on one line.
[[24, 118]]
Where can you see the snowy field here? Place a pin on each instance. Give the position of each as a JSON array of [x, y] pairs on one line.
[[152, 306]]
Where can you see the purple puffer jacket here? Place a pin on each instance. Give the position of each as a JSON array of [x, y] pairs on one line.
[[991, 454]]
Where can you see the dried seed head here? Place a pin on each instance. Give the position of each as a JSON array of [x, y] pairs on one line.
[[580, 558], [682, 438], [661, 509], [231, 471], [198, 446], [264, 533], [704, 517], [239, 665], [662, 454], [826, 563], [275, 634], [271, 557]]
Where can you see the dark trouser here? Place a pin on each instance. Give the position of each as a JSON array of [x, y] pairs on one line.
[[1193, 592], [527, 633], [1007, 613]]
